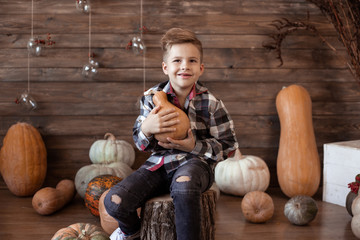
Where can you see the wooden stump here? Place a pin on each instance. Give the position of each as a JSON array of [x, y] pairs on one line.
[[158, 218]]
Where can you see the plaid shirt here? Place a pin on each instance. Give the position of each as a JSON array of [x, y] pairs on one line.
[[210, 123]]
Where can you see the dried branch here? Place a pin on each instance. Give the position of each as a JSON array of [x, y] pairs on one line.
[[343, 14], [285, 27]]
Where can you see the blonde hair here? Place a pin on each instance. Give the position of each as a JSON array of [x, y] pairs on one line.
[[178, 36]]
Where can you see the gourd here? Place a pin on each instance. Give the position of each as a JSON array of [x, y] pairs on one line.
[[83, 231], [108, 223], [49, 200], [109, 150], [257, 207], [300, 210], [23, 160], [160, 99], [96, 187], [88, 172], [298, 163], [240, 174]]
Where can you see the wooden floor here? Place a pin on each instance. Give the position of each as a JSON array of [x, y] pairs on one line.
[[18, 220]]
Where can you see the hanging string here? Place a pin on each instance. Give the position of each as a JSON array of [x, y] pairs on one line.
[[32, 37], [141, 36], [90, 33], [32, 18]]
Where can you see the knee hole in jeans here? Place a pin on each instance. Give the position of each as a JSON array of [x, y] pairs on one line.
[[115, 199], [183, 179]]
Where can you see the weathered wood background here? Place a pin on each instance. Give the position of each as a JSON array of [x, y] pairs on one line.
[[74, 112]]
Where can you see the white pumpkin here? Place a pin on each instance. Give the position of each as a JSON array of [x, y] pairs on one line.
[[241, 174], [355, 225], [110, 150], [355, 206], [85, 174]]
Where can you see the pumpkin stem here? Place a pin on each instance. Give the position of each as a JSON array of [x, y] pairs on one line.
[[82, 234], [238, 154], [109, 136]]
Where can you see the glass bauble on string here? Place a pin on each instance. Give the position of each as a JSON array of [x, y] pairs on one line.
[[90, 69], [26, 101], [34, 47], [83, 6], [138, 45]]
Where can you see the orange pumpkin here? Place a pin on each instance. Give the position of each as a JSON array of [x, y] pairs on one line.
[[23, 160], [96, 187], [257, 207], [108, 223], [160, 99], [84, 231], [298, 163]]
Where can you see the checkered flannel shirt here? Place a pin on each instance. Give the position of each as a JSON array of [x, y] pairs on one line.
[[210, 123]]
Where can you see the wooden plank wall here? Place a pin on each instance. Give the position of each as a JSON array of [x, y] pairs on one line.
[[74, 112]]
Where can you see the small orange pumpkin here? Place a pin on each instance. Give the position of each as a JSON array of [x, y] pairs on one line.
[[257, 207], [160, 99], [96, 187], [23, 160]]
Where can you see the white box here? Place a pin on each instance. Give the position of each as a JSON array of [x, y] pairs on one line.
[[341, 165]]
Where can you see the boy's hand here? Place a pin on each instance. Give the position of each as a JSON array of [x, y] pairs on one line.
[[186, 145], [160, 122]]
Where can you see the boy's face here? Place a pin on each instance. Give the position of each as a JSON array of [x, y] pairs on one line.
[[183, 67]]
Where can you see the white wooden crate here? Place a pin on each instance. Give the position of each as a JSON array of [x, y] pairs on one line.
[[341, 165]]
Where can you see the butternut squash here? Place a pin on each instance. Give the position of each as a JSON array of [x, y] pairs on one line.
[[160, 99], [298, 163], [48, 200]]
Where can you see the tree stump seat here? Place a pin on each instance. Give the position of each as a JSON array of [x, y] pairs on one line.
[[158, 217]]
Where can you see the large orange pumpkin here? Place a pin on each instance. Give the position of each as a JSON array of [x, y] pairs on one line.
[[298, 163], [96, 187], [23, 160]]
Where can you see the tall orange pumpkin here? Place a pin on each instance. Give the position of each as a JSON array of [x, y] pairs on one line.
[[298, 163], [23, 160]]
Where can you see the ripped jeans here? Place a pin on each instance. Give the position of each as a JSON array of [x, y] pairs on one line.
[[185, 185]]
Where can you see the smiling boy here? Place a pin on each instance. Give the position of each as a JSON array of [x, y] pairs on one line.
[[182, 167]]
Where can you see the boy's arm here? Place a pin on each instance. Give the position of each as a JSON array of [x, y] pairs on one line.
[[141, 141]]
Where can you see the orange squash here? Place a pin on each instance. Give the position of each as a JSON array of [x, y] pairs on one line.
[[48, 200], [23, 160], [160, 99], [298, 163]]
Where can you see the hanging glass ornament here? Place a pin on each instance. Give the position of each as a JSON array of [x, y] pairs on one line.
[[34, 46], [90, 69], [138, 45], [26, 101], [83, 6]]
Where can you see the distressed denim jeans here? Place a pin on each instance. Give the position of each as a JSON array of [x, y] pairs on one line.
[[185, 186]]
